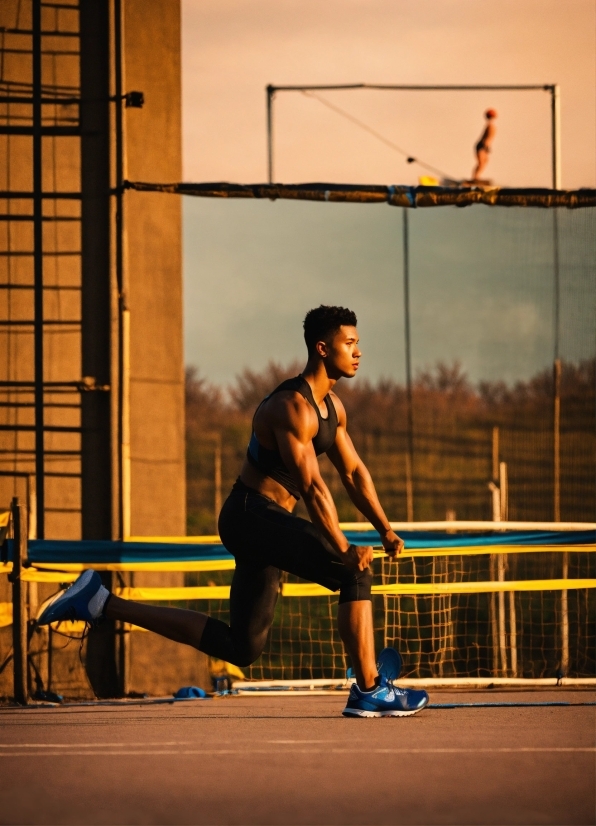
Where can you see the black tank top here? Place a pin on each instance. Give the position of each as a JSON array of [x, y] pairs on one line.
[[269, 462]]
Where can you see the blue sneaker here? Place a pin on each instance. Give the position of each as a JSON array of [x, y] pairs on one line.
[[389, 664], [385, 700], [84, 600]]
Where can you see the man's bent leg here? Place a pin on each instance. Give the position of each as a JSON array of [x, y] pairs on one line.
[[355, 624], [176, 624], [253, 597]]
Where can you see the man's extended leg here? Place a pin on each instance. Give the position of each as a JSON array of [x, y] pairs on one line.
[[355, 624], [176, 624], [253, 597]]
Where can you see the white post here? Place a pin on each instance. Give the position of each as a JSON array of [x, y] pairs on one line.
[[502, 620], [565, 620], [512, 634], [504, 489]]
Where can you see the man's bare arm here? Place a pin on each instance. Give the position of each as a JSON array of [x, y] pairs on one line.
[[294, 425], [359, 484]]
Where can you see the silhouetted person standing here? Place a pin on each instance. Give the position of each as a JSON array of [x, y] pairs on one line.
[[483, 147]]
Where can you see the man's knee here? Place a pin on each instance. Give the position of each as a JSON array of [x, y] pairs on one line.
[[358, 588], [246, 651]]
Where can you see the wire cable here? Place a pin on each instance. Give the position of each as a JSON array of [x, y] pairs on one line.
[[377, 135]]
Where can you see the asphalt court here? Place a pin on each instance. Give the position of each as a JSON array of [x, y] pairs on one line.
[[295, 760]]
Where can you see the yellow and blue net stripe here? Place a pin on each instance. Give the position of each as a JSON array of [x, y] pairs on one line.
[[62, 560]]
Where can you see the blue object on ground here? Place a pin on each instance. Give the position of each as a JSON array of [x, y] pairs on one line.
[[48, 696], [190, 692]]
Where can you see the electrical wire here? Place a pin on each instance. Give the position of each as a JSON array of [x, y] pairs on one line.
[[377, 135]]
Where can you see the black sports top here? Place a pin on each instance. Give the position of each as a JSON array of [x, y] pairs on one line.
[[269, 462]]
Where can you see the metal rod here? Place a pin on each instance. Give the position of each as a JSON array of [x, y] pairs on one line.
[[19, 602], [565, 619], [495, 452], [494, 626], [124, 327], [502, 620], [512, 634], [217, 478], [416, 87], [38, 267], [557, 441], [556, 134], [408, 354], [504, 491], [270, 95]]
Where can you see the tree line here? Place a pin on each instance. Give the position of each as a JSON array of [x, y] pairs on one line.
[[455, 424]]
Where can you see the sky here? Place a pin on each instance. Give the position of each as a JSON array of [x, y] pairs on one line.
[[481, 278]]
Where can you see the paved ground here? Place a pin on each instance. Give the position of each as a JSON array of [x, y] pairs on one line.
[[287, 760]]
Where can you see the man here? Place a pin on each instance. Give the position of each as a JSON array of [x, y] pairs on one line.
[[484, 144], [299, 420]]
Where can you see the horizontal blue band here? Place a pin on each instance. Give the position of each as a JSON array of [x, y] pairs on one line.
[[417, 540], [106, 551]]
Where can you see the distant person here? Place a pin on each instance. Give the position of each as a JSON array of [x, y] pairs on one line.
[[483, 147], [298, 421]]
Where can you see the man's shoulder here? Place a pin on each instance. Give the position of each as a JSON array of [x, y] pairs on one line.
[[286, 402]]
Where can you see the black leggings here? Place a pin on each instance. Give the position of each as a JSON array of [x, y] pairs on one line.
[[266, 539]]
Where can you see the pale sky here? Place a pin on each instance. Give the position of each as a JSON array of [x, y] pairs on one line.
[[253, 269]]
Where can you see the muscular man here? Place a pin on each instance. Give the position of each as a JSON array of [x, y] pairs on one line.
[[298, 421], [484, 144]]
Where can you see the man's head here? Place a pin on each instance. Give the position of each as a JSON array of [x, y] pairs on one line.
[[330, 334], [490, 114]]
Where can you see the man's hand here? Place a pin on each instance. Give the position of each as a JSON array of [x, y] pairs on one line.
[[392, 543], [358, 557]]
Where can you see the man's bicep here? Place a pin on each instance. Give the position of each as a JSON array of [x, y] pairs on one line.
[[299, 457], [294, 431]]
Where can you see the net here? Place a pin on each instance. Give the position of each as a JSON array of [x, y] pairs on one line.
[[499, 634], [460, 603]]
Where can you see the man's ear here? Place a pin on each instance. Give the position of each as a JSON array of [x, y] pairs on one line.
[[322, 349]]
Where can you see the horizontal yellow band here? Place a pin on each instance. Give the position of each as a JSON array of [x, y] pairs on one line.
[[160, 594], [310, 589], [52, 571], [404, 589]]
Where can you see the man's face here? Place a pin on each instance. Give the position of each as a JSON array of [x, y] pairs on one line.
[[342, 354]]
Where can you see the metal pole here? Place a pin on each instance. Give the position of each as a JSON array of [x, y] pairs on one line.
[[504, 491], [512, 634], [555, 108], [557, 441], [270, 95], [565, 619], [502, 629], [38, 268], [217, 478], [408, 349], [19, 602], [124, 333]]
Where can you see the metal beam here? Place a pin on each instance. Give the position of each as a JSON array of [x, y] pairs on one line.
[[38, 269]]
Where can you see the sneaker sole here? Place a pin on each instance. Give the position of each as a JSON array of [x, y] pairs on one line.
[[354, 712]]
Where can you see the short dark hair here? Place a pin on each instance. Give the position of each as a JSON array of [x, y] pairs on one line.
[[323, 322]]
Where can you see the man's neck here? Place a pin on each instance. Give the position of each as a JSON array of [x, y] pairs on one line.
[[320, 383]]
